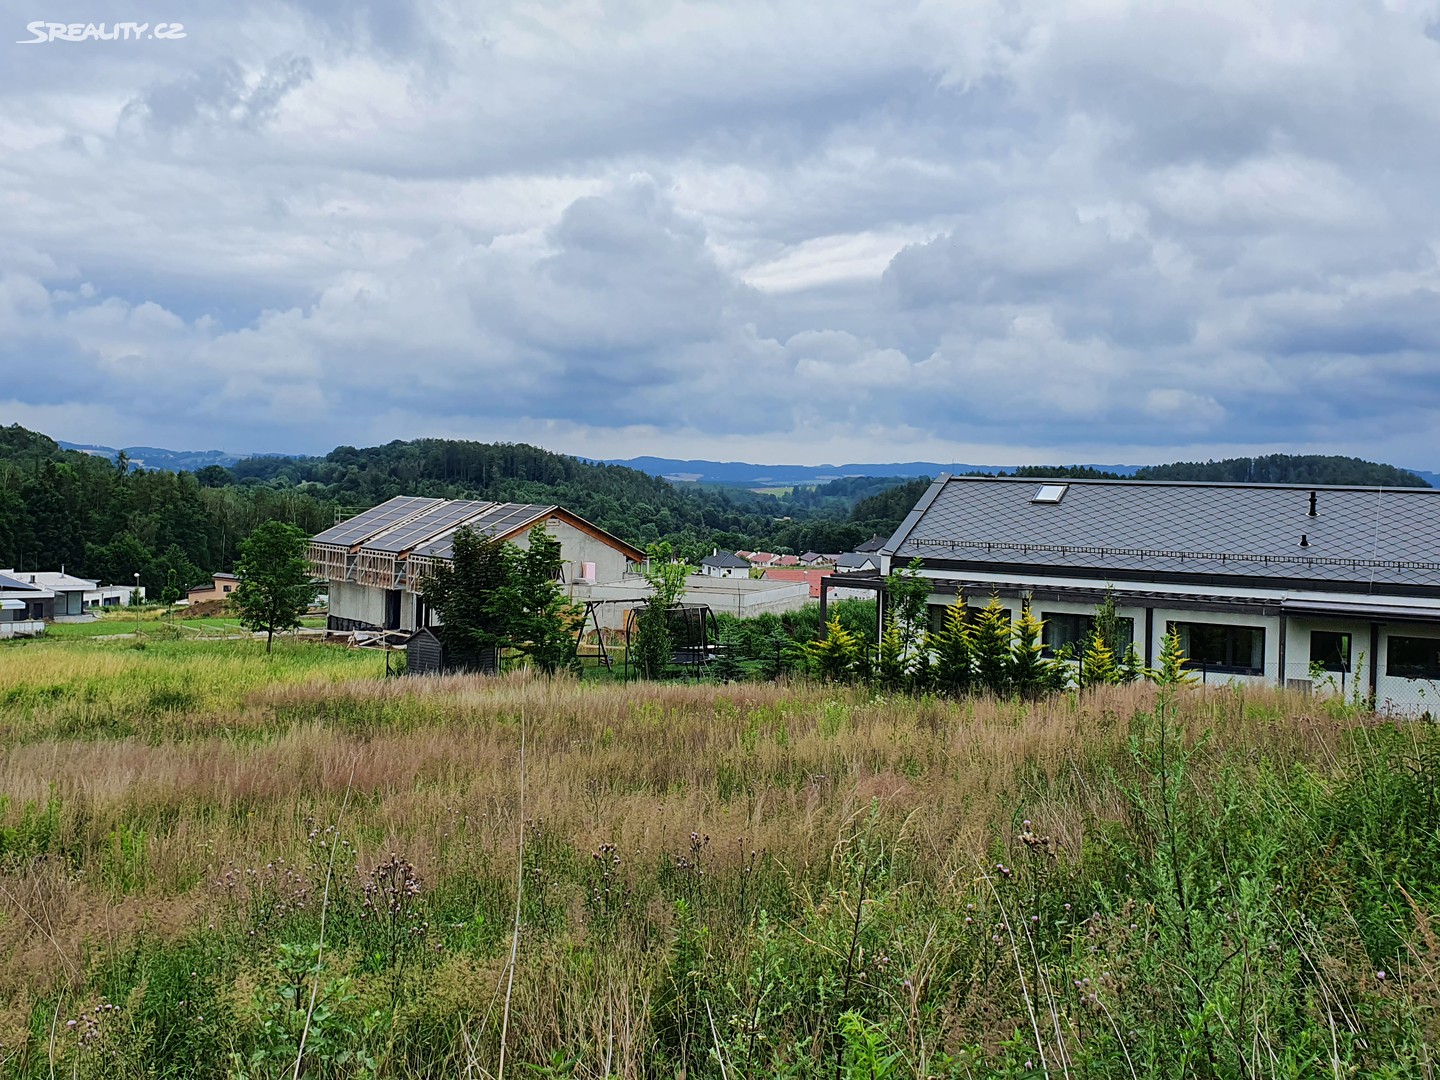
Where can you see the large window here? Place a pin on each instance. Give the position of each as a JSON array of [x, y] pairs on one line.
[[1329, 650], [1239, 650], [1063, 631], [1413, 657]]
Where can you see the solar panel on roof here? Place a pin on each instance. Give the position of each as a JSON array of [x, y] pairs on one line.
[[427, 526], [497, 521], [375, 520]]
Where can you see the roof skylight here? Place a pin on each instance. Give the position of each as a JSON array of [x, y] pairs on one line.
[[1050, 493]]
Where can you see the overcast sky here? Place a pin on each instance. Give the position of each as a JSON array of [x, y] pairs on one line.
[[1011, 231]]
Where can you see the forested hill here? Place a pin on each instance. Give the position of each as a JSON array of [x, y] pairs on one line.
[[61, 508], [1286, 469]]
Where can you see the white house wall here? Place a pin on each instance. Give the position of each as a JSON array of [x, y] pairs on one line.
[[1392, 691], [578, 548]]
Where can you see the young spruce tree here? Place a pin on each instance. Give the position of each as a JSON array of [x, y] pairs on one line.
[[539, 619], [950, 646], [1031, 672], [836, 656], [469, 594], [990, 646]]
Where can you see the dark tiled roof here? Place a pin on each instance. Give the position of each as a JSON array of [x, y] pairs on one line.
[[856, 559], [725, 561], [1386, 536], [875, 543]]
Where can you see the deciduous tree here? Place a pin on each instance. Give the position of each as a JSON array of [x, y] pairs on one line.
[[276, 587]]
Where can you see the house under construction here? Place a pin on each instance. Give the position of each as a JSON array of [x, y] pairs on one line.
[[375, 562]]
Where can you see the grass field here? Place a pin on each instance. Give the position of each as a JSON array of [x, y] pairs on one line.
[[202, 847], [153, 621]]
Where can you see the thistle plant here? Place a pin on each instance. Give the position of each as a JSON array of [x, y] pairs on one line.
[[390, 910]]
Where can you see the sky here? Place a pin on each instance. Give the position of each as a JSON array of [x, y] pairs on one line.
[[994, 231]]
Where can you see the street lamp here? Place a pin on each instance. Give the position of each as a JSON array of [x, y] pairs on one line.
[[135, 599]]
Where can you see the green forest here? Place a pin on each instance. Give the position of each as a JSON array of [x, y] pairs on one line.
[[110, 520]]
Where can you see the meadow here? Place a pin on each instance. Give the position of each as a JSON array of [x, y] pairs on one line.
[[208, 857]]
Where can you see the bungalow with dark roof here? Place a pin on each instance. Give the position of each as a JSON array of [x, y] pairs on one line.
[[1297, 585], [724, 565]]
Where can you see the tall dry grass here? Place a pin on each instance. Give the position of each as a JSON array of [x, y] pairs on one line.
[[432, 764], [212, 762]]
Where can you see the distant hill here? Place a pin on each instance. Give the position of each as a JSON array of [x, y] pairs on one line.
[[155, 457], [1273, 468], [186, 512], [1301, 468], [748, 474], [1288, 469]]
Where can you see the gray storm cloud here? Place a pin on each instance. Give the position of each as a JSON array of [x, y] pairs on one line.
[[1048, 230]]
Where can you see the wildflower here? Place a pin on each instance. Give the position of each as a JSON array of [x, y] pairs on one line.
[[1380, 975]]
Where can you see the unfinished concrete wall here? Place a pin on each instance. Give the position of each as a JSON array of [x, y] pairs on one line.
[[357, 603]]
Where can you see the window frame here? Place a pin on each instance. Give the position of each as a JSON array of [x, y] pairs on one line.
[[1048, 617], [1231, 631], [1340, 662], [1431, 674]]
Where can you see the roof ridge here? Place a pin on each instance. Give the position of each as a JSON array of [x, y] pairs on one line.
[[1130, 481]]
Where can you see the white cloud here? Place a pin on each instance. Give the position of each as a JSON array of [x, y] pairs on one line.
[[1091, 229]]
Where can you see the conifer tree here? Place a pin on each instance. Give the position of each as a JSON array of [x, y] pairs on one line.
[[990, 646], [890, 661], [906, 593], [538, 618], [1097, 665], [836, 656], [1172, 671], [1132, 668], [1031, 672], [950, 647], [726, 667], [465, 591]]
